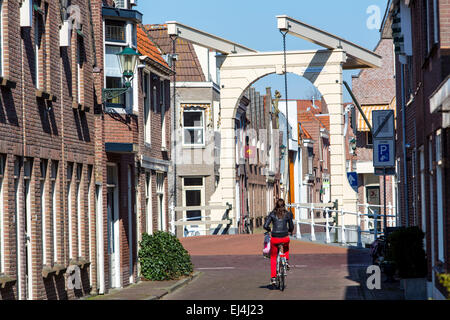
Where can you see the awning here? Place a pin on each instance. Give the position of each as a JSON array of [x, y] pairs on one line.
[[362, 126]]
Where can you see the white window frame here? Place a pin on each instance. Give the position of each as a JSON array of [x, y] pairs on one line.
[[163, 115], [78, 181], [54, 177], [147, 109], [44, 213], [195, 128], [69, 209], [160, 191], [36, 50], [440, 197], [148, 202], [2, 230], [194, 188], [129, 100], [79, 71]]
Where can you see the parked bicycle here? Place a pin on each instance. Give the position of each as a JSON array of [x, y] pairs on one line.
[[248, 226]]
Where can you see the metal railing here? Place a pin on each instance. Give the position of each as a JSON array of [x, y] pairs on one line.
[[196, 221], [329, 218]]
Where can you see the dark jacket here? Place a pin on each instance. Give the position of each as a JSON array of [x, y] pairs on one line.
[[282, 226]]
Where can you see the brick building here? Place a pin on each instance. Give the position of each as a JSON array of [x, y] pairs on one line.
[[257, 160], [196, 127], [133, 144], [422, 63], [82, 175], [374, 89], [47, 149]]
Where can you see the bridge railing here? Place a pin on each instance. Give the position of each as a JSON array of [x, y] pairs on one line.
[[196, 221], [329, 218]]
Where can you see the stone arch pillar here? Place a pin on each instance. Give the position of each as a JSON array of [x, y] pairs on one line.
[[323, 68]]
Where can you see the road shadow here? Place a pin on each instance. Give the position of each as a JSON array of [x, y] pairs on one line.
[[358, 262]]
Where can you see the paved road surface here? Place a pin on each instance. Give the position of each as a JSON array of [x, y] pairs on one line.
[[233, 269]]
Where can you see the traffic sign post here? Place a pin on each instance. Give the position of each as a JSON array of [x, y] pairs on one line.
[[383, 148]]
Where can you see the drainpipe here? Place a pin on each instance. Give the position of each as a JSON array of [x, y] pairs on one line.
[[405, 170]]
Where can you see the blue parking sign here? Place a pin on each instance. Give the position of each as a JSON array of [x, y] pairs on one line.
[[383, 152]]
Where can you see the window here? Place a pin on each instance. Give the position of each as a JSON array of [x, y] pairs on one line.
[[78, 204], [147, 111], [115, 31], [193, 126], [422, 192], [53, 177], [37, 48], [44, 219], [440, 196], [80, 60], [161, 199], [436, 21], [310, 160], [2, 231], [193, 196], [120, 4], [114, 74], [69, 207], [148, 202], [163, 117], [154, 98], [369, 138]]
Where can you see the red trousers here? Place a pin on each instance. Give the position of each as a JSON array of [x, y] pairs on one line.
[[274, 242]]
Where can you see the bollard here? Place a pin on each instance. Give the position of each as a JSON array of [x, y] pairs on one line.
[[299, 235], [327, 232], [313, 234], [344, 242]]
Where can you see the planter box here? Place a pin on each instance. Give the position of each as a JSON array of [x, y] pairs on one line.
[[415, 288]]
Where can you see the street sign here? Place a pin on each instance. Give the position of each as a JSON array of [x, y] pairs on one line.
[[384, 153], [383, 139], [353, 180], [383, 124], [389, 171]]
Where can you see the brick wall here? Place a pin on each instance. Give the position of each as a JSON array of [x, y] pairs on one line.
[[37, 129]]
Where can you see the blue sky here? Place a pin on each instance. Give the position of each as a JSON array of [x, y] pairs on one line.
[[252, 23]]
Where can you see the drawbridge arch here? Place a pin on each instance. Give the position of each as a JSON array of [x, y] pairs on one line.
[[240, 67]]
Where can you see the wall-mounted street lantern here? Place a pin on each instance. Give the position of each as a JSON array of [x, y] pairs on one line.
[[128, 59]]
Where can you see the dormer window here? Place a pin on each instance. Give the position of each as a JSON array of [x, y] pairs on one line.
[[115, 31]]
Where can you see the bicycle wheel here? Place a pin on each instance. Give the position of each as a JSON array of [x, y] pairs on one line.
[[282, 277]]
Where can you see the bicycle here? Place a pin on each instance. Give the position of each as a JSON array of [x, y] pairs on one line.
[[281, 268], [248, 226]]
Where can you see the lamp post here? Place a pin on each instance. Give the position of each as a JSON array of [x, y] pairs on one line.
[[127, 58]]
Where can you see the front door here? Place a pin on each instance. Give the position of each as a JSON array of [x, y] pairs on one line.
[[112, 238]]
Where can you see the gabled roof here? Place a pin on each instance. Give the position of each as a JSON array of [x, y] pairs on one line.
[[147, 47], [187, 66]]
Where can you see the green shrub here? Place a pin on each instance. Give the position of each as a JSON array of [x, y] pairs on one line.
[[444, 279], [406, 251], [163, 257]]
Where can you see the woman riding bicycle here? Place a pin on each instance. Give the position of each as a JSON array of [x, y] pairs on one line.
[[282, 226]]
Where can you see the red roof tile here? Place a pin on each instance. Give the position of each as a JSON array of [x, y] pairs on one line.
[[147, 47], [187, 66]]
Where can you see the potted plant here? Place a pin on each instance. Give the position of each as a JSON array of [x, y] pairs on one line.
[[406, 252]]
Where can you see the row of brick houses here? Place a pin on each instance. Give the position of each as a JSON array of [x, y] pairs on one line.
[[420, 30], [82, 176]]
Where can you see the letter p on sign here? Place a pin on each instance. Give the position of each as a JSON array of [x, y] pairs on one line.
[[374, 280]]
